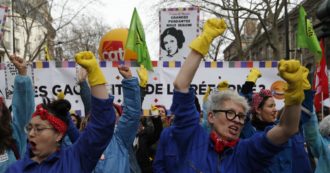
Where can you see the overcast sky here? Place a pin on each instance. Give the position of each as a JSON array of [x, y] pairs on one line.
[[117, 14]]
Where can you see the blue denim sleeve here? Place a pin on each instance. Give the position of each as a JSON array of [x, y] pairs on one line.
[[22, 107], [313, 136], [308, 104], [85, 94], [129, 121]]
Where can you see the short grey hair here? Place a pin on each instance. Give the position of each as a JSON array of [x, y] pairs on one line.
[[217, 99], [325, 126]]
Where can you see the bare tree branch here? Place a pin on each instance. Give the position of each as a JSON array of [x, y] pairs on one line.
[[39, 48]]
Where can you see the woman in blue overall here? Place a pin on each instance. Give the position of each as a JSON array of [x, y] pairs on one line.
[[49, 124], [187, 147], [12, 136], [294, 157]]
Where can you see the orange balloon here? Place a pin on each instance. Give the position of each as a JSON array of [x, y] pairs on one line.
[[112, 46], [278, 88]]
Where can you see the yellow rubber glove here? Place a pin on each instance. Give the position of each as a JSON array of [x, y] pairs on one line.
[[87, 60], [72, 112], [212, 28], [60, 95], [223, 85], [305, 83], [154, 110], [296, 77], [253, 75], [143, 75], [207, 93]]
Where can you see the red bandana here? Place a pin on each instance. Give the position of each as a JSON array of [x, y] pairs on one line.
[[57, 123], [221, 144], [258, 97]]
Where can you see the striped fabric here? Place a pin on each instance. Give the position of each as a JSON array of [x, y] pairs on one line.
[[160, 64], [65, 64], [40, 64]]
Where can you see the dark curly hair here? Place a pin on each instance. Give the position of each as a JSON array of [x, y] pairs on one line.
[[59, 108], [177, 33], [5, 127]]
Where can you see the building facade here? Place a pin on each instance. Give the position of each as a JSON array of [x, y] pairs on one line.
[[261, 50], [28, 30]]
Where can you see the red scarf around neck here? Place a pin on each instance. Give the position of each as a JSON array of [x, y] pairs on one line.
[[221, 144]]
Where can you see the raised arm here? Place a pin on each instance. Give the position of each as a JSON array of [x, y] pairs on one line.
[[296, 77], [158, 127], [143, 76], [98, 133], [129, 121], [85, 91], [183, 105], [22, 103], [247, 88], [186, 118], [247, 92], [310, 125], [72, 132]]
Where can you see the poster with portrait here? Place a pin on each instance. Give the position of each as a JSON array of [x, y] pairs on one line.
[[177, 28]]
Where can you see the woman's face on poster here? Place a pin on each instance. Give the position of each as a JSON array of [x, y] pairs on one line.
[[170, 44]]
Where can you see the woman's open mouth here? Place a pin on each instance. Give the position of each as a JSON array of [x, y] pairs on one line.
[[33, 145], [233, 130]]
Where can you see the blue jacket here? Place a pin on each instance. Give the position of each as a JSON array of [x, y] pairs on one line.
[[73, 132], [320, 145], [22, 108], [186, 146], [85, 94], [293, 158], [119, 155], [83, 155]]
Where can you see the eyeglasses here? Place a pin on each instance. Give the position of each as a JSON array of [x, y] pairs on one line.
[[36, 130], [231, 115]]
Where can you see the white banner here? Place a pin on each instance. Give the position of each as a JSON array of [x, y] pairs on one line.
[[51, 78], [178, 27], [10, 73]]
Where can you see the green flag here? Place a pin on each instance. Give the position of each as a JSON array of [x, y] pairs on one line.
[[136, 41], [306, 37]]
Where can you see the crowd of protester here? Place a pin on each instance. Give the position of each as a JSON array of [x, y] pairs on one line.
[[232, 132]]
